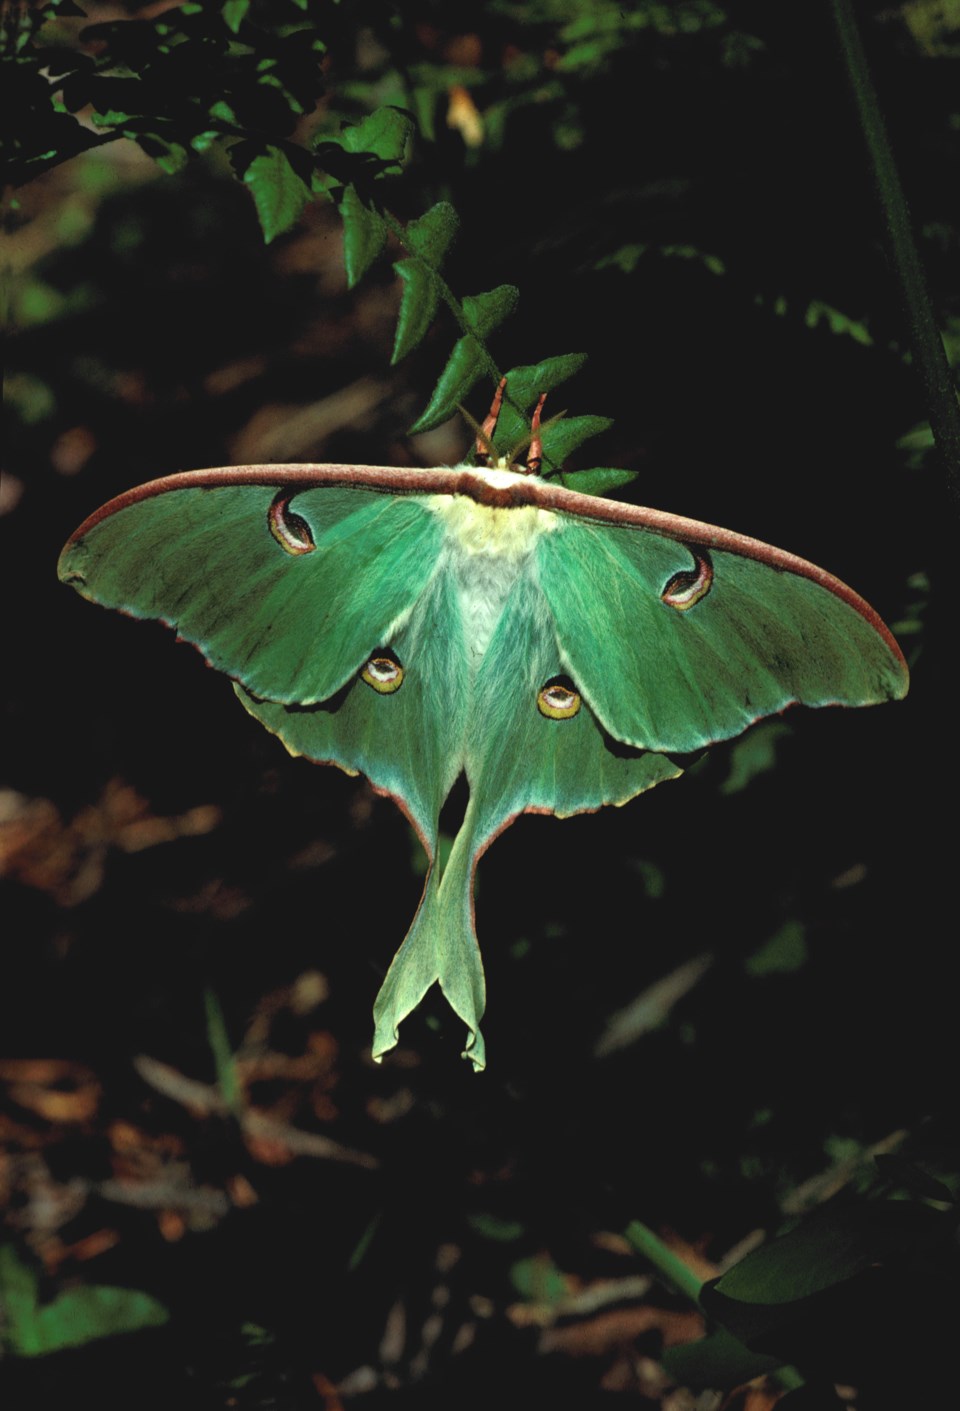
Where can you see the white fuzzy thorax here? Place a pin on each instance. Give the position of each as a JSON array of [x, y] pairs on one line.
[[487, 549]]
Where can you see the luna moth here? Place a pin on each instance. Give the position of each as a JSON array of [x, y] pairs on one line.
[[559, 649]]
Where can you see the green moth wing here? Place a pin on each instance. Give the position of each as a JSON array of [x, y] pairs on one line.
[[257, 586], [520, 754], [678, 644], [556, 648]]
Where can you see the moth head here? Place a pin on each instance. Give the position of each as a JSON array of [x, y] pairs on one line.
[[531, 441]]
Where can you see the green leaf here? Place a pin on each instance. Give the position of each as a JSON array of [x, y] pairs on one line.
[[111, 118], [754, 754], [385, 133], [465, 366], [170, 157], [485, 312], [469, 359], [224, 112], [596, 482], [538, 1280], [494, 1227], [278, 192], [419, 297], [73, 1318], [428, 238], [828, 1246], [524, 386], [364, 235], [566, 436], [898, 1171], [234, 13], [784, 953], [431, 235], [720, 1361], [219, 1041]]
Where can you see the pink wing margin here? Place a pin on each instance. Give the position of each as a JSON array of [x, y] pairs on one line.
[[521, 491]]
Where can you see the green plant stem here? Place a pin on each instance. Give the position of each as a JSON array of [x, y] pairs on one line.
[[926, 343], [677, 1274], [682, 1278]]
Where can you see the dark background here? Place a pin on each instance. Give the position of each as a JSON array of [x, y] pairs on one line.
[[158, 843]]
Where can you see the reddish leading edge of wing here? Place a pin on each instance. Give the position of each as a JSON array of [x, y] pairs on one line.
[[504, 493]]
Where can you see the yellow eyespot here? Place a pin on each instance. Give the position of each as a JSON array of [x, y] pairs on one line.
[[384, 673], [686, 588], [558, 700]]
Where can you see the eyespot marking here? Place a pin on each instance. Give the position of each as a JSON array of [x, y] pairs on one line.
[[291, 530], [690, 585], [383, 672], [558, 700]]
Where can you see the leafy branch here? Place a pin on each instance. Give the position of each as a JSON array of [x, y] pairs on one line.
[[200, 75]]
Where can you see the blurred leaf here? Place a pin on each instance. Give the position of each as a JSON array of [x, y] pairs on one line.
[[753, 754], [905, 1175], [828, 1246], [492, 1227], [234, 13], [219, 1041], [720, 1361], [538, 1280], [784, 953], [651, 1008], [74, 1317]]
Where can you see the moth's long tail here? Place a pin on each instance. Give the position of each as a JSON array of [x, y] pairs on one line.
[[441, 946]]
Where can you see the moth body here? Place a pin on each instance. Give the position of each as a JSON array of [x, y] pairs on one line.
[[487, 550]]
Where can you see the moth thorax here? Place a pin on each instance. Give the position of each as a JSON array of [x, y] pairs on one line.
[[486, 550], [488, 530]]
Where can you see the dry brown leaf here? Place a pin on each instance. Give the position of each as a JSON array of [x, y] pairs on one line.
[[67, 859], [603, 1334]]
